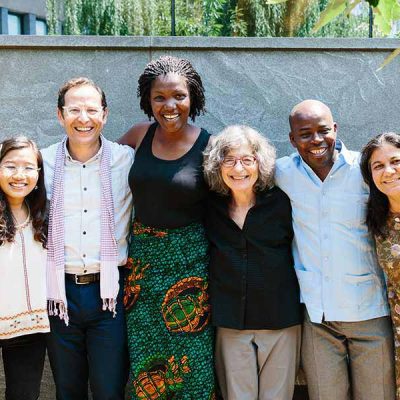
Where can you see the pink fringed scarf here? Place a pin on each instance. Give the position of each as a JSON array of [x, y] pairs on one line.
[[109, 274]]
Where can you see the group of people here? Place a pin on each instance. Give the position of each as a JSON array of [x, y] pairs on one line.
[[197, 294]]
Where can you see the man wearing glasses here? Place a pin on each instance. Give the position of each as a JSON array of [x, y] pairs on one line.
[[86, 179], [347, 349]]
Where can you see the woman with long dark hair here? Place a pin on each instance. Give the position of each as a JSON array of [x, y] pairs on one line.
[[23, 235], [380, 166]]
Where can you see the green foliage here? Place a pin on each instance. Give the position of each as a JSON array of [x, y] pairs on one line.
[[345, 25], [52, 13], [373, 3], [386, 12], [237, 25], [268, 19], [147, 17], [334, 8], [208, 17]]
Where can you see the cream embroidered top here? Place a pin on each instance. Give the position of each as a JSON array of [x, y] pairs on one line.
[[23, 302]]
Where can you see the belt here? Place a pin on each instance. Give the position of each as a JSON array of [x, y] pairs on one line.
[[83, 279]]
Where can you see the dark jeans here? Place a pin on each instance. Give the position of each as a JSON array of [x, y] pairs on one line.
[[23, 359], [92, 347]]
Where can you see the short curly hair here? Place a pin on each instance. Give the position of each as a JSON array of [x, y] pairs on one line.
[[233, 137], [180, 66]]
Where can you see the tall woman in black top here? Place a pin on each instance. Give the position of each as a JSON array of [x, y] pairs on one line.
[[166, 299], [253, 285]]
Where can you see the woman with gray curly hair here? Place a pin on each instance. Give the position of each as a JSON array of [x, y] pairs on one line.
[[253, 286]]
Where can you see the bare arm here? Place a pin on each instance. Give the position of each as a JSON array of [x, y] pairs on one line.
[[134, 136]]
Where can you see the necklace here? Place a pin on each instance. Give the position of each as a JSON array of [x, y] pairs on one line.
[[24, 224]]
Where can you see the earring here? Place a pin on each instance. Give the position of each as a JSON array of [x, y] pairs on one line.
[[35, 188]]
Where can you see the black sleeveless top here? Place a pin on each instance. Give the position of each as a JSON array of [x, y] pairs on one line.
[[168, 193]]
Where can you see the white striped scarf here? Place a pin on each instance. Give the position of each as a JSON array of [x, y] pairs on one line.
[[109, 274]]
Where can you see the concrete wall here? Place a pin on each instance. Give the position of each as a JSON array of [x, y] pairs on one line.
[[253, 81]]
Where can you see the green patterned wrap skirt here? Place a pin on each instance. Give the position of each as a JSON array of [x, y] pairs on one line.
[[166, 300]]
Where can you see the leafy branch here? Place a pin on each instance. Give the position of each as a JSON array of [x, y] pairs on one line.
[[386, 13]]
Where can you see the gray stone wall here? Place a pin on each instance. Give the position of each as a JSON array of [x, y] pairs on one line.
[[254, 81]]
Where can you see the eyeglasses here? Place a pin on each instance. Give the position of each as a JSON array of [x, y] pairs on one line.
[[74, 111], [246, 161], [11, 170]]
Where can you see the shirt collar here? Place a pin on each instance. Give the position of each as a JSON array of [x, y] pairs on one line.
[[93, 159], [344, 153], [222, 201]]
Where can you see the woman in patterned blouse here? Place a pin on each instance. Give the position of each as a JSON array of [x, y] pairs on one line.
[[380, 166]]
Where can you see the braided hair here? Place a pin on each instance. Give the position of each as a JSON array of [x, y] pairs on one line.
[[163, 66]]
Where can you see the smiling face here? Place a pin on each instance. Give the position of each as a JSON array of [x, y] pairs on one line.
[[170, 102], [313, 134], [16, 185], [83, 128], [385, 170], [240, 178]]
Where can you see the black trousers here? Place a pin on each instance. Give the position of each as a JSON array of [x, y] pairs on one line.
[[23, 359]]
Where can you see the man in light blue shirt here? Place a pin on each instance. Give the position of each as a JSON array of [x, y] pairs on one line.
[[347, 350]]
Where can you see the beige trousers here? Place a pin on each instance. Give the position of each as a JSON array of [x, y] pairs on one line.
[[257, 364], [349, 360]]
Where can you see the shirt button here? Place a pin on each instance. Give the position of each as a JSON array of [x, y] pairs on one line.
[[327, 279], [84, 232], [83, 166], [325, 258], [84, 210], [84, 189], [84, 271], [83, 255]]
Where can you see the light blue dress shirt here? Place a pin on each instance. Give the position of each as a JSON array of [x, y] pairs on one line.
[[334, 255]]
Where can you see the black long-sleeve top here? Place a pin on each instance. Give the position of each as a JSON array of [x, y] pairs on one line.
[[253, 284]]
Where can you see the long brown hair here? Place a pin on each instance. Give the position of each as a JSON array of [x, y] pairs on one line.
[[36, 199], [378, 203]]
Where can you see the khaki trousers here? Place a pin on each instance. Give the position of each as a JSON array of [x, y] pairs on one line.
[[257, 364], [349, 360]]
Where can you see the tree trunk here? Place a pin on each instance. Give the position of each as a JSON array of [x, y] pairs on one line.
[[296, 12]]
